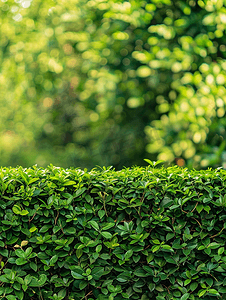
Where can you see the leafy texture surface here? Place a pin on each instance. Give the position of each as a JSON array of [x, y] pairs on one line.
[[139, 233]]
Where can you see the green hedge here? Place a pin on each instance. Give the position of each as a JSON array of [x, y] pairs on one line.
[[139, 233]]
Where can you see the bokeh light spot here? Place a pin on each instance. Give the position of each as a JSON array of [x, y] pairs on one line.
[[47, 102], [180, 162]]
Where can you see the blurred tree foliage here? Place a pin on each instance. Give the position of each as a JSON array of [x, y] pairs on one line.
[[112, 82]]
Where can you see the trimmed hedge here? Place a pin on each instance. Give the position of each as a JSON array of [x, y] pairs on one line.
[[139, 233]]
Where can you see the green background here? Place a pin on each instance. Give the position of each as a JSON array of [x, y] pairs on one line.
[[87, 83]]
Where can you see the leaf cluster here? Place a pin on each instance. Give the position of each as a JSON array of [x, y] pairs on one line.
[[139, 233]]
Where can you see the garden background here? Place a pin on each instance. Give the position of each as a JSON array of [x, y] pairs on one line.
[[105, 82]]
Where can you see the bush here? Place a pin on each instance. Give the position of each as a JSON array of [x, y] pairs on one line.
[[139, 233]]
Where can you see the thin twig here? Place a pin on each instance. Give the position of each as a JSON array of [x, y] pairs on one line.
[[213, 277], [195, 207], [88, 294], [103, 197], [32, 218], [183, 210], [40, 293], [56, 217], [217, 233], [197, 221], [166, 288], [61, 227]]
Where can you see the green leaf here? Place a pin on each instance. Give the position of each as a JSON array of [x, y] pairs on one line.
[[98, 248], [19, 294], [150, 257], [105, 256], [199, 208], [201, 247], [207, 208], [122, 278], [187, 281], [56, 229], [156, 242], [213, 245], [53, 260], [94, 224], [149, 161], [149, 270], [101, 213], [32, 180], [154, 163], [169, 236], [33, 266], [108, 226], [3, 278], [166, 202], [70, 182], [140, 273], [33, 283], [159, 288], [71, 230], [214, 292], [136, 258], [209, 281], [167, 247], [128, 254], [158, 162], [33, 229], [42, 279], [79, 253], [207, 251], [83, 284], [193, 286], [106, 235], [97, 272], [45, 228], [77, 275], [24, 287], [24, 212], [155, 248], [62, 293], [88, 271], [125, 295], [151, 286], [20, 280], [111, 288], [11, 297], [20, 253], [185, 296], [38, 283], [28, 251], [21, 261], [220, 250], [201, 293], [80, 191], [16, 209], [222, 290], [171, 260], [27, 279]]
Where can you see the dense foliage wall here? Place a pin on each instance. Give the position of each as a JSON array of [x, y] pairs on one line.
[[111, 82], [139, 233]]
